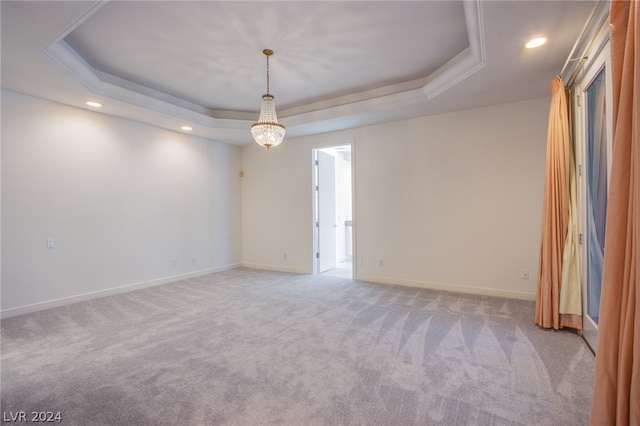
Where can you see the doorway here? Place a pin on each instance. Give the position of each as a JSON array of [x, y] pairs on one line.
[[333, 213], [594, 145]]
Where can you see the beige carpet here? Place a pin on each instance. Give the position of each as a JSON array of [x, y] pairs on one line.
[[248, 347]]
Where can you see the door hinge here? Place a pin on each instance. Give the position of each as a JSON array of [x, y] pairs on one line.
[[580, 239], [579, 169], [317, 162], [317, 255], [317, 187], [317, 224], [578, 99]]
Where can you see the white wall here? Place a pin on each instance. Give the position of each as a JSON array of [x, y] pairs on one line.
[[451, 201], [277, 209], [121, 199]]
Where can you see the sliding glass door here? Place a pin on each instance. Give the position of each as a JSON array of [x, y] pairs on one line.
[[595, 145]]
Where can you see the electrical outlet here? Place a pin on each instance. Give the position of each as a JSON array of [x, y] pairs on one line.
[[174, 262], [284, 255], [381, 263], [51, 242], [525, 274], [193, 260]]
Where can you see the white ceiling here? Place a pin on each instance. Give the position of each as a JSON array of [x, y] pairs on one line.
[[336, 64]]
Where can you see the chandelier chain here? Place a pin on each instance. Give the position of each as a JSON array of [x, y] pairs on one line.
[[267, 74]]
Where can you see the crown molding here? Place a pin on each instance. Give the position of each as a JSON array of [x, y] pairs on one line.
[[114, 87], [466, 62], [343, 108]]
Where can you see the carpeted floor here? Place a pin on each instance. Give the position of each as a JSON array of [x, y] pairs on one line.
[[248, 347]]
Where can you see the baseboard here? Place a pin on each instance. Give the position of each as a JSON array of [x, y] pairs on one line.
[[483, 291], [275, 268], [41, 306]]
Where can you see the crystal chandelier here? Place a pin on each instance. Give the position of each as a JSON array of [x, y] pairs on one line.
[[267, 131]]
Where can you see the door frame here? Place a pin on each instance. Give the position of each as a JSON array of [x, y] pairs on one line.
[[314, 231], [599, 58]]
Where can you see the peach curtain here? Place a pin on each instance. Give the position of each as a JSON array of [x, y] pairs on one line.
[[616, 394], [555, 215]]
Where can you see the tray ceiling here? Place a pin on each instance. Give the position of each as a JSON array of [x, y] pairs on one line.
[[336, 64]]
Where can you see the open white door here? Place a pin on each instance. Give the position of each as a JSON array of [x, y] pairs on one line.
[[326, 188]]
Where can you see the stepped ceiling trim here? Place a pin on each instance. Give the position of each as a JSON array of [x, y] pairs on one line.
[[461, 66]]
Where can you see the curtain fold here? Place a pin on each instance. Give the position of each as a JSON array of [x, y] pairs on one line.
[[570, 306], [616, 394], [556, 220]]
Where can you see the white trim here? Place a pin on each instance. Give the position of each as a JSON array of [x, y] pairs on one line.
[[331, 144], [466, 62], [343, 108], [55, 303], [457, 288], [274, 268], [599, 57], [94, 8], [110, 86]]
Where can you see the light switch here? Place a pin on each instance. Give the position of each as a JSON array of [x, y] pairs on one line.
[[51, 242]]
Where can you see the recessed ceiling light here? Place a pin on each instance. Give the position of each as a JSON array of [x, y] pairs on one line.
[[187, 128], [94, 104], [535, 42]]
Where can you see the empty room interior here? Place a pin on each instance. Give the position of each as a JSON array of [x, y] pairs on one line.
[[305, 213]]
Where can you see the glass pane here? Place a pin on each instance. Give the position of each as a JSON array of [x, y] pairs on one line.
[[596, 190]]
